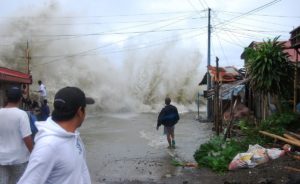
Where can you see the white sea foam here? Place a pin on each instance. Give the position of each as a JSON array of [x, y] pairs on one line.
[[139, 83]]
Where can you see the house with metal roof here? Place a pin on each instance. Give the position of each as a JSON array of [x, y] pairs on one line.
[[10, 77]]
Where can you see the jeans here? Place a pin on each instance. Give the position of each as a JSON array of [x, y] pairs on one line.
[[10, 174]]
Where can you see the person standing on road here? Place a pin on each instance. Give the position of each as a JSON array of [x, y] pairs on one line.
[[168, 117], [59, 154], [42, 91], [15, 138], [45, 111]]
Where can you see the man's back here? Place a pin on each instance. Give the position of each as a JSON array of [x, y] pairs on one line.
[[15, 126], [168, 116]]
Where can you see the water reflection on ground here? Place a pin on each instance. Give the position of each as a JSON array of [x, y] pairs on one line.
[[127, 146]]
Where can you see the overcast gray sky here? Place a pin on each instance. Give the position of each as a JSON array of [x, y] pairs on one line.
[[121, 25]]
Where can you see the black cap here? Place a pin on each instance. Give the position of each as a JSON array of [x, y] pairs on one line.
[[14, 93], [69, 99]]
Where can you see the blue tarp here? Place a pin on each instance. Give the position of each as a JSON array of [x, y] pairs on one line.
[[231, 90]]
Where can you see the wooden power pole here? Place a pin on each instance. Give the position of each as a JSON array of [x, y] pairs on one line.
[[28, 68]]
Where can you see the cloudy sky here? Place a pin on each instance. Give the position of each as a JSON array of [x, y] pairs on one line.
[[119, 26]]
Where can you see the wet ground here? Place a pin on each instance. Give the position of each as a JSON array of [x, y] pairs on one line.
[[126, 148]]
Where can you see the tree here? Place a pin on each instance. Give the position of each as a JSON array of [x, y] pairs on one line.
[[269, 70]]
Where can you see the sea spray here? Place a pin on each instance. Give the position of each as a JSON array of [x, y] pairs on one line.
[[139, 84]]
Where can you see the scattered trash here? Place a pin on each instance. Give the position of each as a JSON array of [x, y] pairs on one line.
[[255, 155], [177, 163], [183, 164], [191, 164]]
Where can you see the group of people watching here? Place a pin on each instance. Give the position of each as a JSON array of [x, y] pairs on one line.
[[56, 154], [38, 107]]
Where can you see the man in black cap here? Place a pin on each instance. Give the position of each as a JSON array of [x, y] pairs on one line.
[[59, 154], [15, 138]]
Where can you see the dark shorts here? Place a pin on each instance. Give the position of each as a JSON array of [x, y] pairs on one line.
[[169, 130]]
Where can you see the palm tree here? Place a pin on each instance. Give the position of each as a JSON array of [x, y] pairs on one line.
[[269, 70]]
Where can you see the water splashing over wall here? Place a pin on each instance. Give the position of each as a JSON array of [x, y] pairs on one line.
[[140, 83]]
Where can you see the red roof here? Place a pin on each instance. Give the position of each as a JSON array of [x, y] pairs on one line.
[[9, 75], [227, 74]]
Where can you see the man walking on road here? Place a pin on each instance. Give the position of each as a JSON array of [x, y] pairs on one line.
[[15, 138], [59, 154], [168, 117]]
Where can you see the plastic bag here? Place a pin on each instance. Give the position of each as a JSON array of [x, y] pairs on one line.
[[255, 155], [275, 153]]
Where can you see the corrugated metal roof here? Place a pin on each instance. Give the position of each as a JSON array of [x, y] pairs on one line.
[[9, 75]]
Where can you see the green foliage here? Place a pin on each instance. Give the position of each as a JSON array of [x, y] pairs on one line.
[[176, 162], [268, 68], [278, 123], [217, 153]]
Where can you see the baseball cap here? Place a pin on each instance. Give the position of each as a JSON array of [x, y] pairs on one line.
[[14, 92], [69, 99]]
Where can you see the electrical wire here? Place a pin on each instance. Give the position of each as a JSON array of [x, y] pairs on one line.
[[248, 12], [103, 46]]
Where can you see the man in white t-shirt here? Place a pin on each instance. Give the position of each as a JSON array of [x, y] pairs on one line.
[[42, 91], [58, 156], [15, 138]]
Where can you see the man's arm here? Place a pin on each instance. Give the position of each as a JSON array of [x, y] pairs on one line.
[[86, 174], [42, 161], [28, 142], [26, 131], [159, 119], [177, 115]]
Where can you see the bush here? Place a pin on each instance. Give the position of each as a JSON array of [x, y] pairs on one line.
[[217, 153], [278, 123]]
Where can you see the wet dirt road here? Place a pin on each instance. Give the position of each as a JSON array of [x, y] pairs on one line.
[[126, 148]]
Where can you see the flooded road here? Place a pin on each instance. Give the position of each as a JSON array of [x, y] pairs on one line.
[[127, 147]]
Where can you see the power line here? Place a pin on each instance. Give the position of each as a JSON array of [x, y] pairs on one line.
[[119, 33], [196, 10], [161, 41], [134, 48], [221, 47], [103, 23], [227, 33], [260, 15], [79, 36], [103, 33], [235, 44], [251, 30], [103, 46], [249, 12], [95, 16], [204, 3]]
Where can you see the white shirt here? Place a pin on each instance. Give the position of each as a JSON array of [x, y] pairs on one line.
[[14, 126], [58, 157], [42, 90]]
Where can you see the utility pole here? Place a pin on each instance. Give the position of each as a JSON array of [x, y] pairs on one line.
[[209, 100], [27, 58], [28, 69], [216, 99]]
